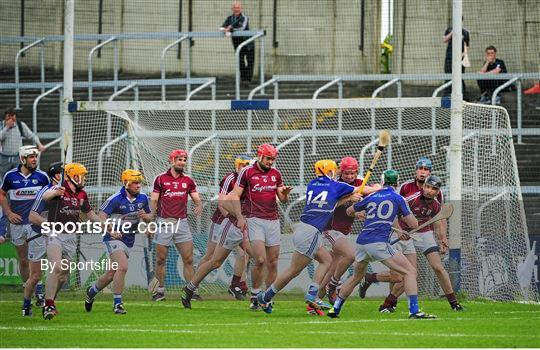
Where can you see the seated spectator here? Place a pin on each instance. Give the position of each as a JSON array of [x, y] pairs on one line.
[[492, 65]]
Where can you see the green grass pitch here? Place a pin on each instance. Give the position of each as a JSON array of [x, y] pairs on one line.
[[228, 323]]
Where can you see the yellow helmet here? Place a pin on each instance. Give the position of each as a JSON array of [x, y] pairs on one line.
[[324, 167], [75, 169], [130, 175], [242, 159]]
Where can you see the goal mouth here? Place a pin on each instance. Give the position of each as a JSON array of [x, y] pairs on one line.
[[109, 137]]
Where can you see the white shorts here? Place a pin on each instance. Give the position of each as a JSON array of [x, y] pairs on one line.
[[171, 230], [37, 247], [231, 236], [307, 239], [268, 231], [332, 236], [19, 233], [215, 232], [426, 245], [114, 245], [67, 243], [371, 252], [406, 247]]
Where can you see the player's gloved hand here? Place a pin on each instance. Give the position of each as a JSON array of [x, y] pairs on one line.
[[116, 235], [14, 218], [287, 190], [149, 233], [355, 197], [443, 246], [142, 215], [404, 236], [241, 223], [361, 215], [59, 191]]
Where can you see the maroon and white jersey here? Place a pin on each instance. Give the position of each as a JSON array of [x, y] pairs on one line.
[[423, 209], [408, 188], [225, 186], [340, 220], [68, 207], [260, 188], [173, 194]]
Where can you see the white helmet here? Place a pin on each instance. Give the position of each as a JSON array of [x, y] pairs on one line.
[[26, 151]]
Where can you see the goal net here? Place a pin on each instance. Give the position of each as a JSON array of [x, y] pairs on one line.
[[111, 136]]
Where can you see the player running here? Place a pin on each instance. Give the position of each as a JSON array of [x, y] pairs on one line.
[[17, 194], [323, 195], [337, 230], [67, 202], [229, 238], [37, 243], [382, 208], [169, 202], [425, 206], [126, 207], [257, 186]]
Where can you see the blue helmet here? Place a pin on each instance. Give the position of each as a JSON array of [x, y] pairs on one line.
[[424, 162]]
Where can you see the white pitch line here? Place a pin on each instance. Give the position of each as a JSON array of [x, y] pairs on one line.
[[183, 331]]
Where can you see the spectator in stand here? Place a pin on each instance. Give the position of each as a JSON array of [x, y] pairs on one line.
[[447, 38], [11, 137], [492, 65], [238, 22]]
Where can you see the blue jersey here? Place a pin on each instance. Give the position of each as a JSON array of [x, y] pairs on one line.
[[21, 190], [124, 210], [382, 207], [40, 206], [322, 195]]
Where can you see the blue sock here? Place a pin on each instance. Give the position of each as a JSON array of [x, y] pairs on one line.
[[27, 303], [92, 292], [117, 299], [313, 289], [39, 288], [413, 304], [270, 293], [338, 304]]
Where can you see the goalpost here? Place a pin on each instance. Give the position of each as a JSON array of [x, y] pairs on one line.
[[110, 136]]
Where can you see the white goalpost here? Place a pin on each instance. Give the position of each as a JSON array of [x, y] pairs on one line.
[[110, 136]]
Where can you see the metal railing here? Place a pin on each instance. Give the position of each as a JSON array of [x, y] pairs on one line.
[[434, 114], [162, 64], [108, 38], [339, 83], [115, 64], [113, 96], [36, 101], [41, 43], [212, 84], [53, 86], [250, 112], [515, 78], [237, 60], [374, 95]]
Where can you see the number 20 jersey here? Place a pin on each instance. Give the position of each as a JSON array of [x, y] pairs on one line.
[[382, 208], [322, 195]]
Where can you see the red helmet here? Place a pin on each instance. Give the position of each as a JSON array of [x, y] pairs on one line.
[[177, 153], [348, 163], [267, 150]]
